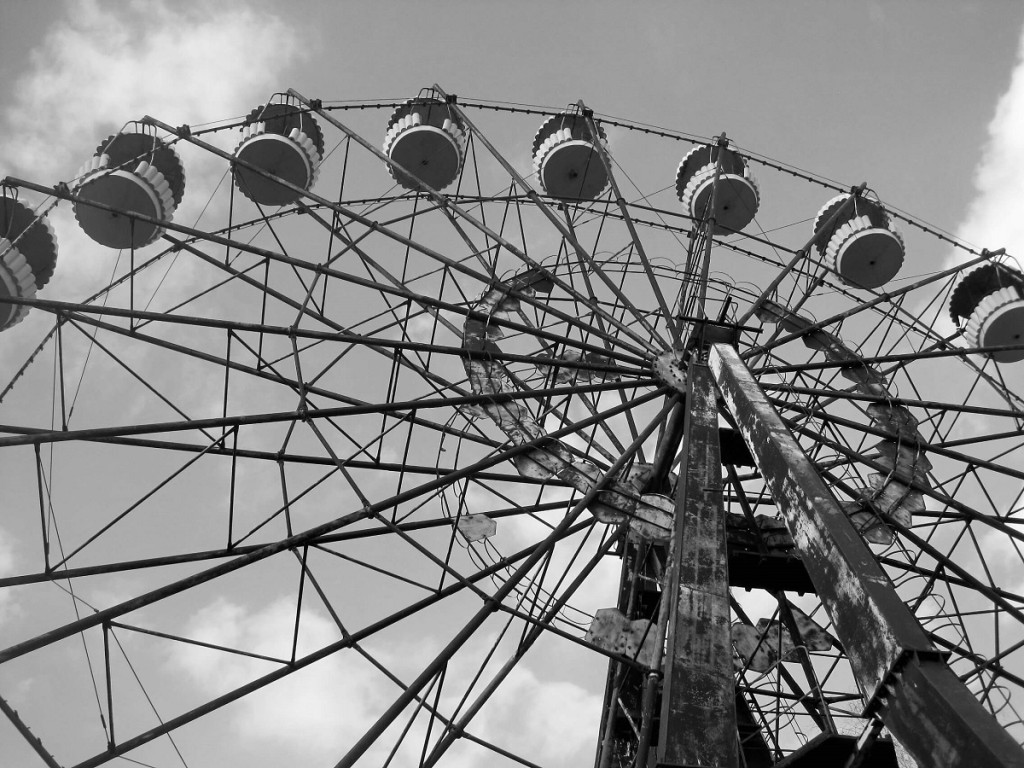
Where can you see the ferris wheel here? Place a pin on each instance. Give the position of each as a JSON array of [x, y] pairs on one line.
[[438, 405]]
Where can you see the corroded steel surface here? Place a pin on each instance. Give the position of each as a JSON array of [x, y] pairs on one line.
[[928, 709], [698, 717], [873, 623]]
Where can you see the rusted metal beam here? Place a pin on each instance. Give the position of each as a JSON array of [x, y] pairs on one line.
[[698, 715], [837, 750], [903, 676]]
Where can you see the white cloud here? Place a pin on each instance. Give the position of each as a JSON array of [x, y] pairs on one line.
[[106, 63], [993, 219], [313, 716], [7, 605], [327, 705], [100, 65], [103, 64], [554, 723]]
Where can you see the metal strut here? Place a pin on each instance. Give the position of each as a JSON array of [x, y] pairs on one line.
[[904, 678], [698, 709]]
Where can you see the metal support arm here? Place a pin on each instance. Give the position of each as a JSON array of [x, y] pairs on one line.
[[902, 675]]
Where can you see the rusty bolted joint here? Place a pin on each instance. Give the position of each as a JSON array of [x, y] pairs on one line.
[[889, 686], [671, 369]]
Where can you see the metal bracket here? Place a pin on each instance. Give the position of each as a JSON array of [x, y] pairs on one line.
[[669, 367]]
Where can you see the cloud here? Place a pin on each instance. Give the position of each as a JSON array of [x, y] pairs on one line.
[[100, 65], [313, 716], [527, 715], [106, 63], [8, 607], [328, 704], [993, 219], [103, 64]]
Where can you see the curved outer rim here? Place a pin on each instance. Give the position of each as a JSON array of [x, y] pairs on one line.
[[620, 500], [884, 416], [795, 315]]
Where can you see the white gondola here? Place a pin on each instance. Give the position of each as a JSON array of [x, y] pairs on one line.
[[32, 235], [28, 256], [566, 157], [736, 196], [861, 244], [16, 281], [279, 139], [132, 172], [425, 138], [991, 301]]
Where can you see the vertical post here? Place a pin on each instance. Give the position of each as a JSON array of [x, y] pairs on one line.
[[709, 232], [698, 712]]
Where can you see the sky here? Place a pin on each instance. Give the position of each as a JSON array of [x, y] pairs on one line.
[[923, 100]]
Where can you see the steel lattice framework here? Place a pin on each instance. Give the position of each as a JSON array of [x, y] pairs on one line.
[[404, 437]]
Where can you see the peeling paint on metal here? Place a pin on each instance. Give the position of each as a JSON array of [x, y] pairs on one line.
[[613, 632], [699, 688], [874, 626], [476, 527]]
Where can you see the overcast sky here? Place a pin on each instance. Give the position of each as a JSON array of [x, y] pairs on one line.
[[922, 99]]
